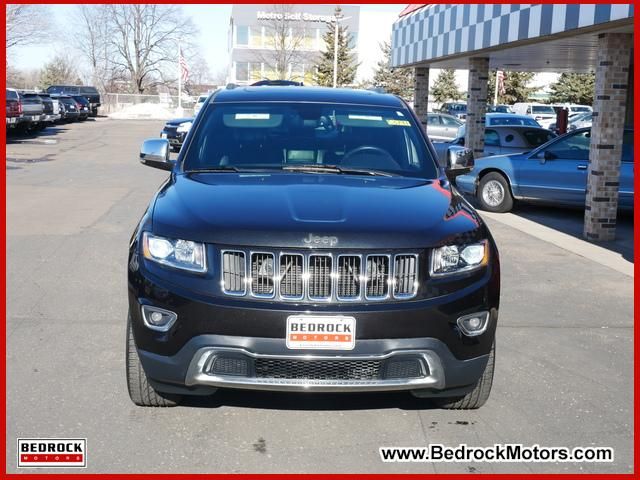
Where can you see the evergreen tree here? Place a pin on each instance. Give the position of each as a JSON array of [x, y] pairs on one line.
[[516, 87], [445, 87], [398, 81], [59, 71], [574, 88], [347, 65]]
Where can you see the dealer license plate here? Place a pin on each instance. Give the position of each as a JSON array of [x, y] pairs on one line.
[[163, 135], [321, 332]]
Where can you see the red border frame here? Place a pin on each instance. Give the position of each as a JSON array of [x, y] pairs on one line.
[[636, 334]]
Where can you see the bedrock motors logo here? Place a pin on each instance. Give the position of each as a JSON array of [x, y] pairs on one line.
[[52, 452]]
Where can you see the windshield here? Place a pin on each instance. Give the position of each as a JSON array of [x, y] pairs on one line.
[[278, 135], [544, 109]]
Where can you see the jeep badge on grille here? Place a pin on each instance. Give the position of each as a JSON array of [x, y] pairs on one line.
[[318, 240]]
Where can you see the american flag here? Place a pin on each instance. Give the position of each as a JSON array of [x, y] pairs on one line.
[[184, 68], [500, 82]]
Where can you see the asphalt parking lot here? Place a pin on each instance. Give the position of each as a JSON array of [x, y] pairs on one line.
[[564, 365]]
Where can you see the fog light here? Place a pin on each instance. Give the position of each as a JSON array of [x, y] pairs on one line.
[[157, 318], [474, 324]]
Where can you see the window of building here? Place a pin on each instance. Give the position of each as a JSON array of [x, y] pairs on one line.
[[242, 35], [242, 71]]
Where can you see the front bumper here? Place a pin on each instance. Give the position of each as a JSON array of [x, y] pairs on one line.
[[176, 139], [180, 360], [190, 370]]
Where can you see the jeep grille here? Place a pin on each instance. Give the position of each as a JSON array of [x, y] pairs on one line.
[[320, 276]]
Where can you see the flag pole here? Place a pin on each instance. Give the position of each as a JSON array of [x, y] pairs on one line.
[[495, 94], [179, 76]]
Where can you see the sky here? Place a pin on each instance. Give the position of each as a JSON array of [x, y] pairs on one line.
[[213, 22]]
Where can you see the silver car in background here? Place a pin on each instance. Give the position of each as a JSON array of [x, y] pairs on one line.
[[502, 140], [442, 127]]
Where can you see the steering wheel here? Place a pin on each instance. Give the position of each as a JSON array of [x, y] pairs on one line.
[[384, 159]]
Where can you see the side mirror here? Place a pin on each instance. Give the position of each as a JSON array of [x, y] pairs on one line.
[[546, 155], [154, 152], [459, 161]]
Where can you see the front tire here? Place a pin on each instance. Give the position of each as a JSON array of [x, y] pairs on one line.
[[140, 391], [494, 193], [476, 397]]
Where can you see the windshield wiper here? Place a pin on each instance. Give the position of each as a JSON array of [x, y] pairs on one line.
[[223, 168], [319, 168]]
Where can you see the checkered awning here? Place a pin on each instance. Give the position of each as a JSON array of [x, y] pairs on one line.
[[437, 31]]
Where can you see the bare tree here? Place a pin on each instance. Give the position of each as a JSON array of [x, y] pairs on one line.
[[220, 76], [93, 43], [145, 39], [284, 43], [26, 25]]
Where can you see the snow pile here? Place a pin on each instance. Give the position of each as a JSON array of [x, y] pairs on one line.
[[153, 111]]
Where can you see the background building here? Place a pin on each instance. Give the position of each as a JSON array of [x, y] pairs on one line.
[[265, 39]]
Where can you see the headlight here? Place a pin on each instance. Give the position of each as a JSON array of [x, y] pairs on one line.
[[184, 127], [452, 259], [176, 253]]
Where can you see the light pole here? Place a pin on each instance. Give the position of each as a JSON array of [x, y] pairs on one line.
[[336, 34]]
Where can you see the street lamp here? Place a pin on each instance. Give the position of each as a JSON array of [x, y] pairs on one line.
[[336, 34]]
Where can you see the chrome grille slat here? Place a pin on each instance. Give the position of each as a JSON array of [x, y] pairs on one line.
[[291, 275], [377, 276], [405, 279], [319, 283], [348, 279], [262, 272], [234, 272], [320, 276]]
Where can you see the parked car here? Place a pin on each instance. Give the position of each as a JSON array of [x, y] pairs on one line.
[[442, 127], [493, 119], [554, 173], [52, 112], [456, 109], [306, 240], [199, 103], [543, 114], [577, 120], [70, 108], [175, 131], [499, 109], [32, 110], [573, 108], [89, 92], [503, 139], [83, 106], [14, 114]]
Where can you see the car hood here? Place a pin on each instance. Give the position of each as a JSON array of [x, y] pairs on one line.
[[282, 209], [178, 121]]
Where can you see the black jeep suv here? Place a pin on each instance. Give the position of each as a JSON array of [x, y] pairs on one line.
[[307, 240]]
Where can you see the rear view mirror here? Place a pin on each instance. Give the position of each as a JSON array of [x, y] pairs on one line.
[[459, 161], [155, 153]]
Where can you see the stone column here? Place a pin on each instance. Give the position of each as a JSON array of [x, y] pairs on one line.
[[605, 150], [421, 94], [476, 105]]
